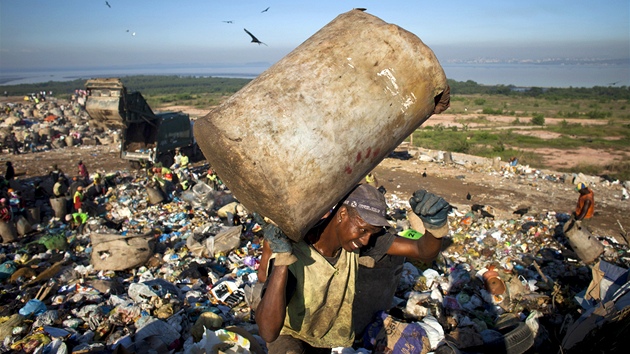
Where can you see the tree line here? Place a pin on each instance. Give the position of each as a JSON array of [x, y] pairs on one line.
[[151, 85], [553, 93]]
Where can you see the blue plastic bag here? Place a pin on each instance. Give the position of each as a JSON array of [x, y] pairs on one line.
[[33, 306]]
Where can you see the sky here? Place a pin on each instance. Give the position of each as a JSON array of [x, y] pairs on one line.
[[38, 34]]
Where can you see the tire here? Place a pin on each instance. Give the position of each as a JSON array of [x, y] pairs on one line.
[[517, 339], [135, 165], [506, 320], [166, 159]]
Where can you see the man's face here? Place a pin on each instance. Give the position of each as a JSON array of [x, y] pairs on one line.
[[355, 232]]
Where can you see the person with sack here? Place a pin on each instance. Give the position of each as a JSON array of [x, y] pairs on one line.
[[307, 301]]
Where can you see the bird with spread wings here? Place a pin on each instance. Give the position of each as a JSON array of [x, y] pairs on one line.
[[254, 39]]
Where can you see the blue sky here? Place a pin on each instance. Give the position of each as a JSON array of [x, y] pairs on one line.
[[73, 34]]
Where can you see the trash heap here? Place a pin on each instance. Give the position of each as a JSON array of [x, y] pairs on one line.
[[175, 277], [51, 124]]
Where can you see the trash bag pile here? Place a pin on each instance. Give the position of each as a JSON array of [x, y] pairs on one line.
[[174, 277], [49, 123]]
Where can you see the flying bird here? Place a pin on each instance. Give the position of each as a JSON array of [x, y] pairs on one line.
[[520, 212], [265, 10], [108, 5], [228, 21], [254, 39]]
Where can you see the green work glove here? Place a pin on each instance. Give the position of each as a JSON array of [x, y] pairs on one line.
[[432, 210]]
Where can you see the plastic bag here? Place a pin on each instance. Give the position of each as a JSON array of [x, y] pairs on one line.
[[225, 241], [7, 269], [33, 306], [389, 335]]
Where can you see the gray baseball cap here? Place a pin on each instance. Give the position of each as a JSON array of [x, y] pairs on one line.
[[370, 203]]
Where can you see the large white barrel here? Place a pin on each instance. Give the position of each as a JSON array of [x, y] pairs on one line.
[[297, 138]]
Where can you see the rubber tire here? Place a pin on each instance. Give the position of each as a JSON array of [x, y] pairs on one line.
[[135, 165], [166, 159], [506, 320], [517, 339]]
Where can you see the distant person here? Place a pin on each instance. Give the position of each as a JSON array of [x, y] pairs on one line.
[[9, 174], [16, 203], [77, 199], [15, 145], [76, 182], [585, 205], [55, 173], [77, 221], [371, 179], [212, 178], [83, 172]]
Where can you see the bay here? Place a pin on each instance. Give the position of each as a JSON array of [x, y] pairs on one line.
[[521, 75]]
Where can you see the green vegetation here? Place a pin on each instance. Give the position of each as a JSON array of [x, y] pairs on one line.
[[538, 119], [475, 106], [604, 94]]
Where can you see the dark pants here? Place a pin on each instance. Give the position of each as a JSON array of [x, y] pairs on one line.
[[289, 345]]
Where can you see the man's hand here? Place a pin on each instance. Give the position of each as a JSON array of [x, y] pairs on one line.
[[432, 210], [277, 241]]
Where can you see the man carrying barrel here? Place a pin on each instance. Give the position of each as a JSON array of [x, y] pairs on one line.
[[307, 300]]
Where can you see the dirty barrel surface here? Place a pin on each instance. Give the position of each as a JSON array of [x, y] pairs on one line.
[[59, 206], [295, 140], [8, 233], [587, 246]]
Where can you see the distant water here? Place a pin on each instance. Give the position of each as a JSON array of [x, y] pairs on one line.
[[486, 74], [540, 75]]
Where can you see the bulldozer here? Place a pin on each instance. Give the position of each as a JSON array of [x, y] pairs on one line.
[[146, 137]]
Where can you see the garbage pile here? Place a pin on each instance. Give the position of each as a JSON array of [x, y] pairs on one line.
[[149, 276], [173, 277], [50, 124]]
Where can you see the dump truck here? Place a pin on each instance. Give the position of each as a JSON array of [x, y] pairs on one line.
[[146, 137]]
